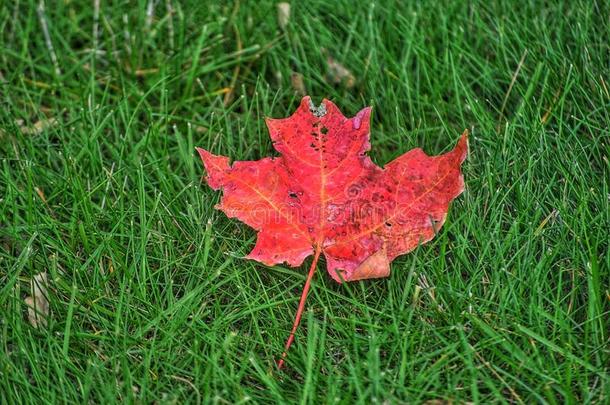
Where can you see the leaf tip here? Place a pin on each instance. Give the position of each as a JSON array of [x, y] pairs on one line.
[[462, 146], [215, 166], [363, 117], [202, 152]]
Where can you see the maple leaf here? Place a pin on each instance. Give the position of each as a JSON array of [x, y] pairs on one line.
[[324, 195]]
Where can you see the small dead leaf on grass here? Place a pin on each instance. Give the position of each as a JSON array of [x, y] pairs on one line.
[[339, 74], [296, 80], [40, 194], [38, 303], [39, 126], [106, 264], [283, 14]]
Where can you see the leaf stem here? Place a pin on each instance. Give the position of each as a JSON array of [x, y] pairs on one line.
[[299, 314]]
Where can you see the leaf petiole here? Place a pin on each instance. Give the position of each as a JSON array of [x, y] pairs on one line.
[[299, 314]]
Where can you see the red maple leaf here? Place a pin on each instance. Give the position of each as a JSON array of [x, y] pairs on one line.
[[323, 194]]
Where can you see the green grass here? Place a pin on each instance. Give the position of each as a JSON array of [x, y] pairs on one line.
[[150, 298]]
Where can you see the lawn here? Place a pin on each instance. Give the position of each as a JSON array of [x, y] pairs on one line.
[[151, 300]]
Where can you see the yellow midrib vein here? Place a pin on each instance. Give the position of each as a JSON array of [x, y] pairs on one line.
[[320, 237]]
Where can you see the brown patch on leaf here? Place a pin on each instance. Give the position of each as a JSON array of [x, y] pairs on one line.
[[375, 266]]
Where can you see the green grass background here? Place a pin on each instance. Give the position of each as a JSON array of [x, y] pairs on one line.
[[150, 299]]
